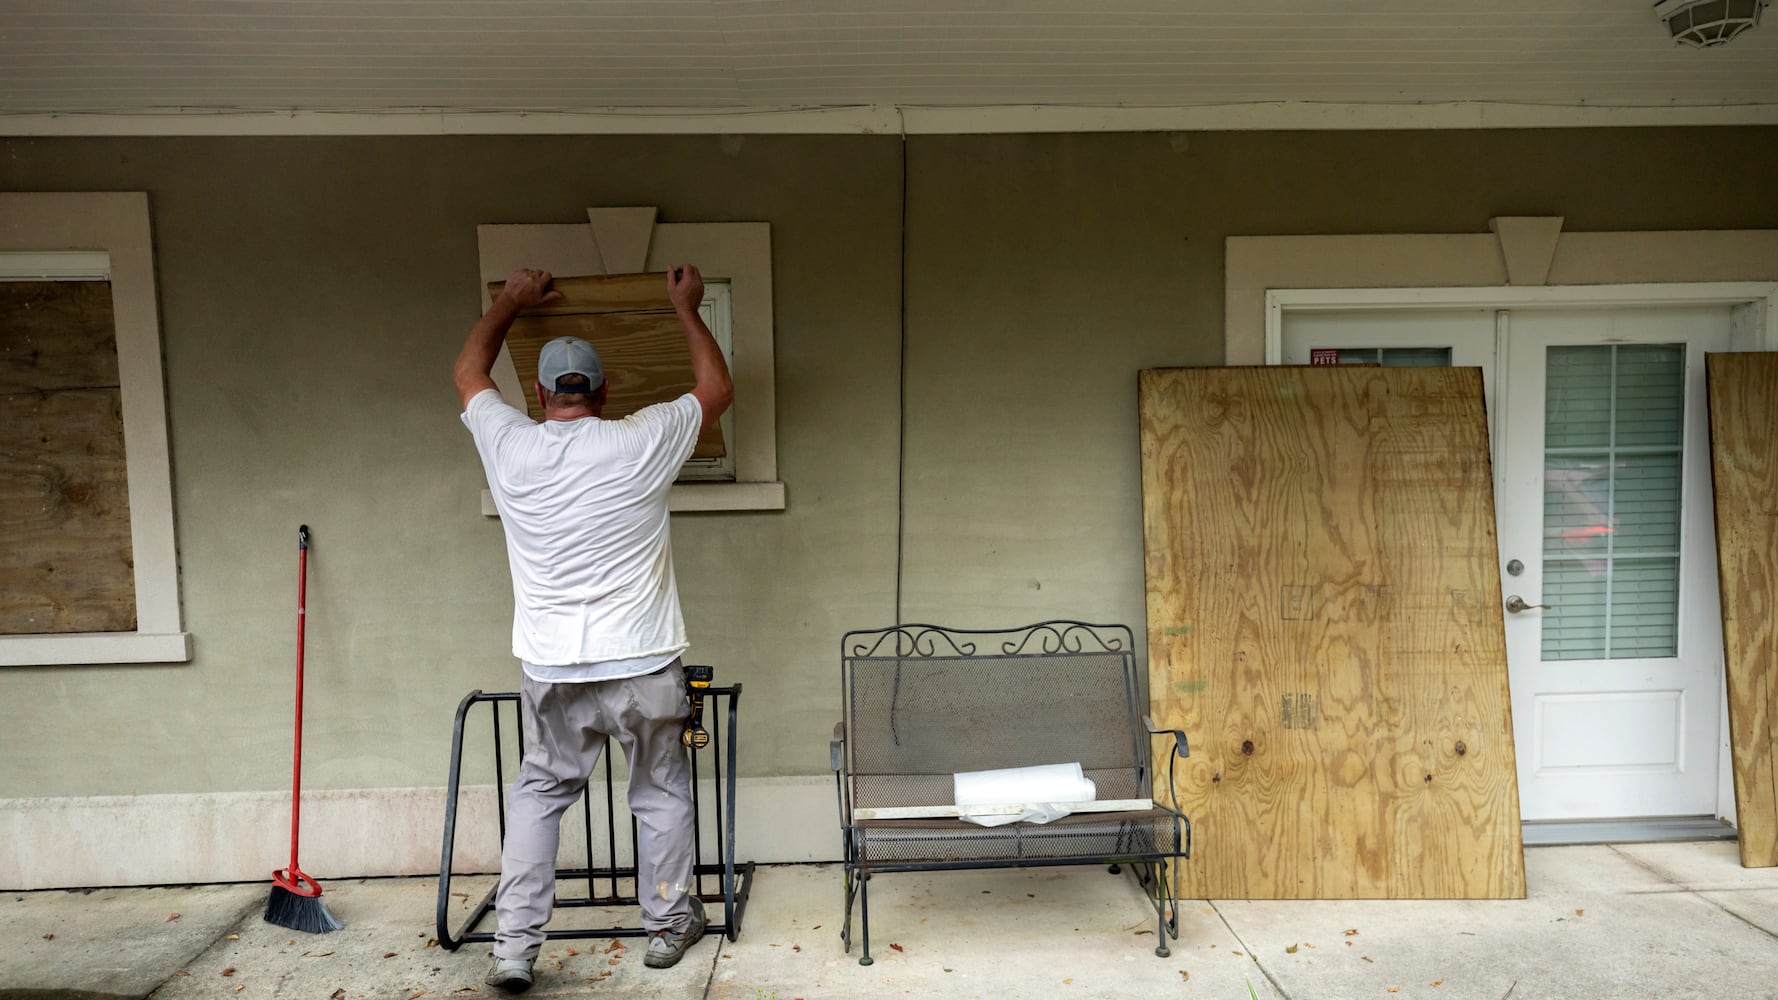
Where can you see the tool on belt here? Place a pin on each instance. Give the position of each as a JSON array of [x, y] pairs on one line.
[[697, 681]]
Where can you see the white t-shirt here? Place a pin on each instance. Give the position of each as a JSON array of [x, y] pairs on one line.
[[584, 506]]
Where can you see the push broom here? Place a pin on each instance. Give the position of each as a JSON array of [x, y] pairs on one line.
[[296, 898]]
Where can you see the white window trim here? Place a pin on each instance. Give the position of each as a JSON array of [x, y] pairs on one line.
[[1263, 274], [740, 252], [100, 236], [1756, 324]]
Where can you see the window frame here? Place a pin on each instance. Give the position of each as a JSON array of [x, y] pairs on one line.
[[71, 236], [624, 241]]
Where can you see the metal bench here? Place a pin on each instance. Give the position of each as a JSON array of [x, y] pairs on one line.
[[924, 702]]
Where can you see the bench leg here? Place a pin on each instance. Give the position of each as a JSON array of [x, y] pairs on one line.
[[846, 925], [1160, 931], [864, 918], [1162, 903]]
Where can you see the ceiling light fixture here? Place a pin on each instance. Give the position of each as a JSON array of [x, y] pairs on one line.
[[1706, 23]]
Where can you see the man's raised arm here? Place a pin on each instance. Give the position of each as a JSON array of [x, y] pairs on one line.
[[714, 389], [524, 288]]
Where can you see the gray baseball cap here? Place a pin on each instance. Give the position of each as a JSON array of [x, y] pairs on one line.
[[569, 356]]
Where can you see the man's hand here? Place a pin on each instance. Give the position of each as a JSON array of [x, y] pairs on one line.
[[524, 288], [527, 287], [685, 286]]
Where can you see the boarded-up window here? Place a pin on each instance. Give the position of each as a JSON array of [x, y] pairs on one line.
[[630, 321], [66, 560]]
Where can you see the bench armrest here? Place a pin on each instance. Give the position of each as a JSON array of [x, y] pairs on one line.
[[836, 751], [1180, 746]]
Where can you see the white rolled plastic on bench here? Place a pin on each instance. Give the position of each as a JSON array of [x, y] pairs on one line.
[[1035, 794], [1044, 792]]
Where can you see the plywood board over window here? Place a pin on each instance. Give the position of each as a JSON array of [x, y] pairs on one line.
[[1324, 622], [630, 321], [1743, 390], [65, 554], [98, 554], [736, 260]]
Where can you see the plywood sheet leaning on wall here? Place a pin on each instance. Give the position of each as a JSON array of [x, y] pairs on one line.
[[1324, 622], [1743, 415], [630, 321], [66, 562]]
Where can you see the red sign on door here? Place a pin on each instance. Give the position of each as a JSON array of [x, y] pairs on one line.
[[1324, 356]]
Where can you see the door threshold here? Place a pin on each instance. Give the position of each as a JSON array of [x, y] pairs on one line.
[[1546, 833]]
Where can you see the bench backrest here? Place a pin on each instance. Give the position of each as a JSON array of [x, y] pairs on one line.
[[923, 703]]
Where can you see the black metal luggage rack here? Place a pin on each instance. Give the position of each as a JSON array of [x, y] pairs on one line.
[[722, 881]]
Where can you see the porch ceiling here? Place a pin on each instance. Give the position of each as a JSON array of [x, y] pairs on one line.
[[124, 57]]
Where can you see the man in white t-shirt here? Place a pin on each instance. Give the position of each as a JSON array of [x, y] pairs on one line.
[[596, 619]]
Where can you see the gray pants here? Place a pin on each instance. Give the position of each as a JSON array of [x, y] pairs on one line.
[[565, 728]]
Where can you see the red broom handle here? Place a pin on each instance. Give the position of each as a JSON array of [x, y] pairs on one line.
[[296, 775]]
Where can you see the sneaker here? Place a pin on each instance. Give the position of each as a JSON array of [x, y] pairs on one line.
[[510, 974], [666, 948]]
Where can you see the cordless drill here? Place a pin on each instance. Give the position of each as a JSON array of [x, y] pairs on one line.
[[697, 681]]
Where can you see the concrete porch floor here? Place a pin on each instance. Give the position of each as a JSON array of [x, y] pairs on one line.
[[1625, 921]]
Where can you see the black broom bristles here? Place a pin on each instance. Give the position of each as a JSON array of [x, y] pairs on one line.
[[300, 913]]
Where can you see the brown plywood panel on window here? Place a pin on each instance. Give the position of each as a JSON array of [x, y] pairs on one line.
[[56, 335], [65, 555], [1743, 392], [631, 322], [1324, 622]]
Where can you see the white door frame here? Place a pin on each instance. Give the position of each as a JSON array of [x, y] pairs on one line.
[[1753, 327]]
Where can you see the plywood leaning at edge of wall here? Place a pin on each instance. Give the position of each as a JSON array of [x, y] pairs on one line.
[[1743, 391], [630, 320], [1324, 622]]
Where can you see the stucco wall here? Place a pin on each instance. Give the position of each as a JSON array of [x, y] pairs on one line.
[[314, 292]]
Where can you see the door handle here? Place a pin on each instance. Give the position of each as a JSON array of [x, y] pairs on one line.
[[1516, 604]]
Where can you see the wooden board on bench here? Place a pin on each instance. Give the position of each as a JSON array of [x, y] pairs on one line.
[[956, 812]]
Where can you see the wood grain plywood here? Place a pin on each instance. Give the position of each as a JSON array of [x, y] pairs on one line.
[[1324, 622], [56, 335], [66, 564], [630, 321], [1743, 392]]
